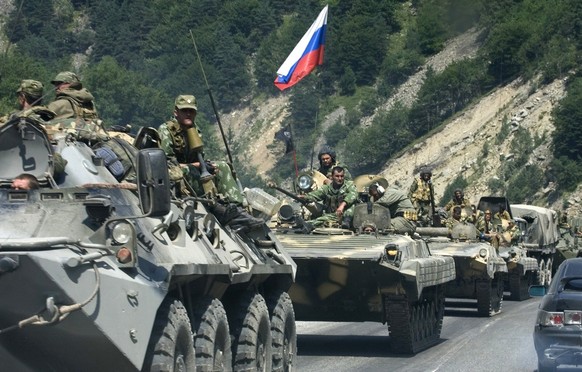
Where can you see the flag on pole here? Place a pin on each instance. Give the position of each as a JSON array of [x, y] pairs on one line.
[[305, 56]]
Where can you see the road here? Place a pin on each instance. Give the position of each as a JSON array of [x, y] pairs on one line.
[[468, 343]]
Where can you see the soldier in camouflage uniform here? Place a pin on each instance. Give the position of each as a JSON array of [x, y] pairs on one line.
[[29, 95], [338, 198], [174, 142], [327, 160], [72, 100], [402, 212], [420, 195], [459, 200], [485, 226]]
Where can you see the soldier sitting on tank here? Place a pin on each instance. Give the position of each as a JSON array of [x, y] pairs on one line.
[[338, 199], [181, 141], [402, 212], [327, 161], [501, 214], [485, 226], [458, 200], [29, 96]]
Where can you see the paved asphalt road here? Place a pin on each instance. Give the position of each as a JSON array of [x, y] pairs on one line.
[[468, 343]]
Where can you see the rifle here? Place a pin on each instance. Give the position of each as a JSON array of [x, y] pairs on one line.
[[289, 194], [436, 220]]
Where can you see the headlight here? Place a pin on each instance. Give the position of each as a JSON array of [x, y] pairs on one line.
[[304, 182], [121, 232], [483, 252]]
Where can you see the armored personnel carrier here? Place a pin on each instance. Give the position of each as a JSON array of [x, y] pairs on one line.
[[480, 270], [108, 276], [367, 275]]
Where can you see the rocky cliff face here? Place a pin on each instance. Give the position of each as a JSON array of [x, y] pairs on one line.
[[472, 143]]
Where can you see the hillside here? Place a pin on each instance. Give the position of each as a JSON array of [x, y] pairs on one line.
[[471, 143]]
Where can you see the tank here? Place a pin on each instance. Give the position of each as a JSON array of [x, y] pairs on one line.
[[357, 276], [480, 270], [101, 275]]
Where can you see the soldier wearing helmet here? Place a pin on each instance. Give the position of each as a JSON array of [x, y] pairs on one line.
[[72, 100], [327, 161], [420, 193]]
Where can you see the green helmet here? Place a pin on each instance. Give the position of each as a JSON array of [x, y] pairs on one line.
[[66, 77], [32, 88]]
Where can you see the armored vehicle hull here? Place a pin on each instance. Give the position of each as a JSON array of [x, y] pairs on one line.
[[480, 270], [104, 275], [380, 277]]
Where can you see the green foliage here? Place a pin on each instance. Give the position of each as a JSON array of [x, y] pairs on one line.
[[525, 184], [567, 118], [368, 148], [347, 82], [566, 172]]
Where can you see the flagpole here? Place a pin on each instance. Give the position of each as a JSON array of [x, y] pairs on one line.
[[294, 149]]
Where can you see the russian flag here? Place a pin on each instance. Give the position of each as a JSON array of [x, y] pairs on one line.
[[305, 56]]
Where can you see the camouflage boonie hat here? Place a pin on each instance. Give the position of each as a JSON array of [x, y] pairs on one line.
[[31, 87], [66, 77], [185, 102]]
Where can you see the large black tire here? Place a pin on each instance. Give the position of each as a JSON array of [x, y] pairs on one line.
[[489, 296], [251, 334], [212, 336], [519, 285], [171, 346], [283, 331]]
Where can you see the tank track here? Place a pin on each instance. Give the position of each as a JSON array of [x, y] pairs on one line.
[[489, 296], [416, 326]]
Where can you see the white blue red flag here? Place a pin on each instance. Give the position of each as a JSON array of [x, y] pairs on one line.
[[305, 56]]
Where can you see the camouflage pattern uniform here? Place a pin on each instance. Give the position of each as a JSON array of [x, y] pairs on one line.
[[33, 92], [402, 211], [331, 198], [74, 101], [173, 141], [326, 170], [419, 194], [464, 203]]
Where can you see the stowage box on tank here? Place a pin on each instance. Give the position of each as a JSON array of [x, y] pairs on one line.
[[109, 276]]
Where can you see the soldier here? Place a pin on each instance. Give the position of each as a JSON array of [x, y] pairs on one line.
[[420, 194], [485, 226], [338, 199], [402, 212], [72, 100], [25, 181], [460, 200], [502, 214], [327, 160], [180, 140], [30, 93]]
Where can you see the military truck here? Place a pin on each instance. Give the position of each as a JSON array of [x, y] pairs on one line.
[[541, 237], [108, 276], [480, 270], [367, 275]]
